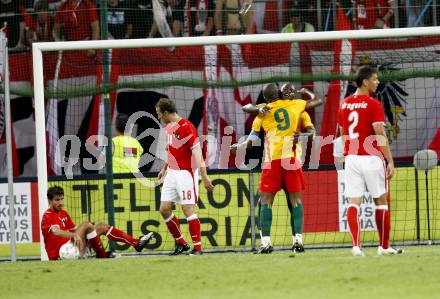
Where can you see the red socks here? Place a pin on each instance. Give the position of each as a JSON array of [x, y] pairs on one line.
[[194, 230], [117, 235], [173, 225], [383, 225], [94, 240], [353, 223]]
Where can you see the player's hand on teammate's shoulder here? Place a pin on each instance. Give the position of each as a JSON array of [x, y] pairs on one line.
[[207, 183], [262, 110]]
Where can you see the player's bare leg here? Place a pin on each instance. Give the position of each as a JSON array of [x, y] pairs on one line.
[[82, 231], [383, 224], [265, 220], [194, 228], [87, 231], [353, 224], [296, 220], [173, 224]]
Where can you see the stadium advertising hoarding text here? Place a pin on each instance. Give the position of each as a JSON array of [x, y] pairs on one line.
[[224, 213], [22, 213]]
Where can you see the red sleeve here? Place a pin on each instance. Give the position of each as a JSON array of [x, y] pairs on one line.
[[47, 222], [93, 15], [377, 114], [70, 224], [189, 133]]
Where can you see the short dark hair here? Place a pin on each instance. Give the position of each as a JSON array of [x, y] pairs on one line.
[[271, 92], [364, 73], [121, 122], [166, 105], [54, 191]]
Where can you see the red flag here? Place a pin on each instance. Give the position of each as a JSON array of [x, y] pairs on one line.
[[223, 117], [15, 161], [28, 21], [435, 143]]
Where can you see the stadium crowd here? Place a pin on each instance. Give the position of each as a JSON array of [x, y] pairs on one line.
[[51, 20]]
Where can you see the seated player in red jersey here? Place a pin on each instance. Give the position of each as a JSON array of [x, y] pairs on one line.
[[62, 235]]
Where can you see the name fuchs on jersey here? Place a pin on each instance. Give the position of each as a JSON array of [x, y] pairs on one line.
[[353, 106]]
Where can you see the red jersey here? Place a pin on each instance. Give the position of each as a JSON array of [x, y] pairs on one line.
[[50, 219], [181, 138], [356, 116], [77, 18], [368, 11]]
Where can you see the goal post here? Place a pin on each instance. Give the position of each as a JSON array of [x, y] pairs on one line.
[[38, 76]]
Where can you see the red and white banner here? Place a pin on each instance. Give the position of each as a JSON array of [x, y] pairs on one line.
[[3, 151], [405, 101]]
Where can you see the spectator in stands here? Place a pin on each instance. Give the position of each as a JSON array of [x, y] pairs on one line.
[[297, 23], [27, 4], [40, 29], [80, 21], [200, 15], [228, 21], [175, 9], [119, 19], [413, 10], [10, 14], [142, 14], [373, 14]]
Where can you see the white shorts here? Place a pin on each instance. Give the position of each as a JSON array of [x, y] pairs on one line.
[[364, 173], [181, 187]]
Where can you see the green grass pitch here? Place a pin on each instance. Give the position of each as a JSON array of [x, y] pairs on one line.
[[329, 273]]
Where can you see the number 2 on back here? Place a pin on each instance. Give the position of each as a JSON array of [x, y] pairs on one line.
[[353, 118]]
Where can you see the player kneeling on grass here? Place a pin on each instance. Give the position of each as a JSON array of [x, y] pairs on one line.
[[180, 175], [64, 240]]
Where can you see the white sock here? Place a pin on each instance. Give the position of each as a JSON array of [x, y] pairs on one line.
[[265, 241], [298, 238]]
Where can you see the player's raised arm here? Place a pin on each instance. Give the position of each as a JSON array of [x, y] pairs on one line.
[[314, 101], [255, 110]]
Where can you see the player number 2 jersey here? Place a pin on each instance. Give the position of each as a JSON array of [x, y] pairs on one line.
[[356, 116]]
